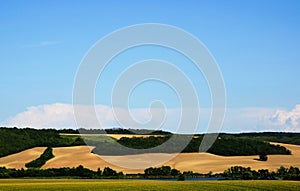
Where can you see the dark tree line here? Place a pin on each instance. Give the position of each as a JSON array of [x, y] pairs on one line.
[[225, 146], [242, 173], [13, 140], [120, 131], [161, 171], [233, 146], [232, 173], [78, 172], [81, 172], [281, 137], [39, 162]]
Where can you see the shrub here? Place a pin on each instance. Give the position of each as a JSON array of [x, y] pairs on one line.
[[263, 157], [39, 162]]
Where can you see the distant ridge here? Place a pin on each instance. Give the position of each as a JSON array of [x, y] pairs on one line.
[[116, 131], [13, 140]]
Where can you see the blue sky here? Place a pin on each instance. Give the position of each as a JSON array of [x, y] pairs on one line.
[[255, 43]]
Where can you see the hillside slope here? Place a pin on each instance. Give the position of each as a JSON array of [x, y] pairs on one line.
[[13, 140], [197, 162]]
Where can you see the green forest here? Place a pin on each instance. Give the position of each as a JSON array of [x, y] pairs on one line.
[[14, 140], [224, 145]]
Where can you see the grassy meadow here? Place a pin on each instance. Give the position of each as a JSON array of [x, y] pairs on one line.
[[84, 185]]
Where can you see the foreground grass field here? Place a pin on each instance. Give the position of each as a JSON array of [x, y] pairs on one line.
[[82, 185]]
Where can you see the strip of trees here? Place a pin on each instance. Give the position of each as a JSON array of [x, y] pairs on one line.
[[225, 146], [78, 172], [39, 162], [232, 173], [242, 173], [13, 140]]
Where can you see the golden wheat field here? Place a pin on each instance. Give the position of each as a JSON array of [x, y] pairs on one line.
[[197, 162], [18, 160]]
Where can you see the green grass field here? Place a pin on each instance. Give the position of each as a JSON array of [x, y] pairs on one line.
[[85, 185]]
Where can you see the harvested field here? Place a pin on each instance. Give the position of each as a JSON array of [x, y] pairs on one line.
[[18, 160], [197, 162]]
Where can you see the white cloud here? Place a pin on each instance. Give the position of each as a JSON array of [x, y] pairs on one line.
[[53, 115], [248, 120], [60, 115], [289, 119]]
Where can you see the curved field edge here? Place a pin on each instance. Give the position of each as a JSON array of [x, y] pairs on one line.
[[39, 162], [82, 185], [224, 146], [196, 162], [13, 140], [18, 160]]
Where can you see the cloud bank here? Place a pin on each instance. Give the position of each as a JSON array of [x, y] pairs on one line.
[[61, 115], [289, 119]]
